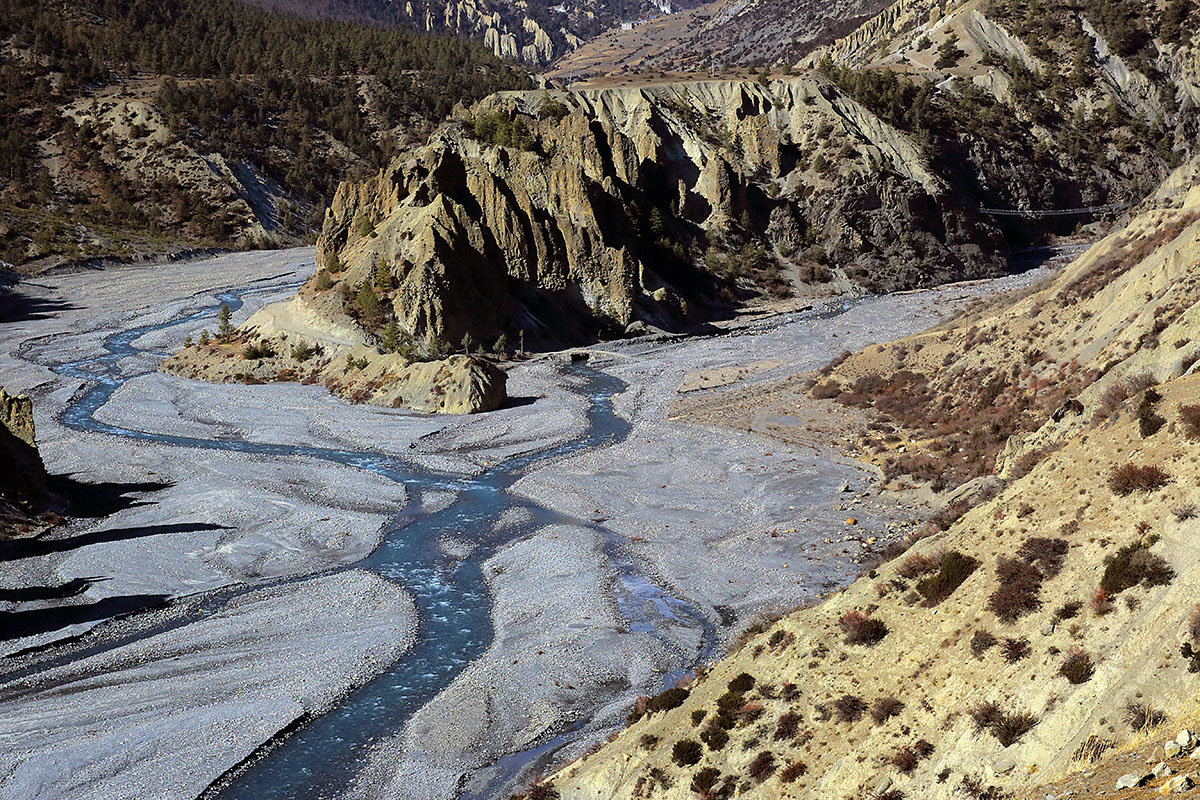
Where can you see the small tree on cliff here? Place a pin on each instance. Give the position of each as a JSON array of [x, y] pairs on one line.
[[468, 341], [368, 301], [501, 345], [224, 327], [391, 337]]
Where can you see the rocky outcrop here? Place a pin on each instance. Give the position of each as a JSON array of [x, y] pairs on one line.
[[23, 491], [568, 214]]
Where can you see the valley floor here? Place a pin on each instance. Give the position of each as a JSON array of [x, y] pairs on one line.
[[249, 584]]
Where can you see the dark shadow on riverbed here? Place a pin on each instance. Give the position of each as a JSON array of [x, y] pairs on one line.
[[71, 588], [14, 549], [94, 500], [517, 402], [20, 307], [17, 624]]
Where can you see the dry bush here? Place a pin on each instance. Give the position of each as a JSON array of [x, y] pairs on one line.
[[953, 569], [686, 752], [1193, 630], [918, 564], [1017, 594], [704, 780], [981, 642], [1015, 649], [1078, 666], [1100, 602], [1183, 513], [1045, 553], [762, 767], [884, 708], [792, 771], [862, 629], [827, 390], [849, 708], [1189, 417], [905, 760], [787, 726], [741, 684], [1111, 399], [1129, 478], [1140, 716], [1068, 610], [1132, 565], [1006, 726]]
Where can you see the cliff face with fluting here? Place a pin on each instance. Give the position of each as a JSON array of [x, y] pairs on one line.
[[23, 478], [566, 213]]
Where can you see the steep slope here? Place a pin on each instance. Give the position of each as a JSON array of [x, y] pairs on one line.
[[1042, 626], [142, 127]]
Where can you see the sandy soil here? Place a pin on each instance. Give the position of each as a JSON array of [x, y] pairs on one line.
[[725, 522]]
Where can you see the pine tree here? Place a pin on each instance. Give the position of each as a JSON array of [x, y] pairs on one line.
[[501, 345], [391, 337], [224, 327], [368, 301], [468, 341]]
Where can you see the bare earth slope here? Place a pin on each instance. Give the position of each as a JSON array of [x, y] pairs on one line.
[[1034, 631]]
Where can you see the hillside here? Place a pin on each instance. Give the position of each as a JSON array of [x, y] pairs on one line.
[[146, 127], [1030, 629]]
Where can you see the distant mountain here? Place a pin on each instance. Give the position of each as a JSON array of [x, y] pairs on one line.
[[532, 31]]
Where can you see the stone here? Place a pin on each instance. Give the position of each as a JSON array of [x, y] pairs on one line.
[[1177, 785], [1131, 780], [883, 785], [1162, 770], [1171, 749], [1185, 739], [1004, 766], [844, 488]]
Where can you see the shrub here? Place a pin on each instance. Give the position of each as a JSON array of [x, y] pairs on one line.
[[1129, 478], [1140, 716], [1184, 512], [1134, 564], [861, 629], [715, 737], [1078, 668], [648, 742], [981, 642], [1149, 421], [323, 281], [741, 684], [884, 708], [665, 701], [257, 350], [953, 569], [705, 779], [1068, 610], [542, 791], [686, 752], [827, 390], [729, 703], [1009, 728], [1189, 417], [1193, 630], [1015, 649], [1112, 398], [762, 767], [792, 771], [1101, 602], [787, 726], [1017, 594], [917, 565], [849, 708], [1005, 726], [1045, 553], [905, 760], [698, 716]]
